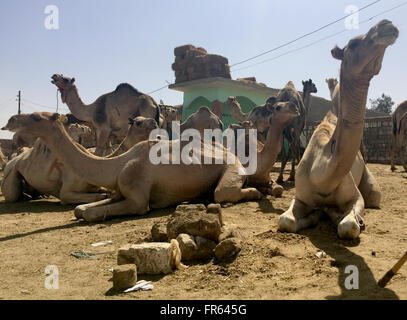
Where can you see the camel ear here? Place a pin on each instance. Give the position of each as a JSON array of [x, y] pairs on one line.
[[326, 80], [131, 121], [72, 80], [62, 118], [56, 116], [303, 82], [337, 53]]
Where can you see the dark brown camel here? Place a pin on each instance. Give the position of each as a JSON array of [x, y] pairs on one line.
[[398, 137]]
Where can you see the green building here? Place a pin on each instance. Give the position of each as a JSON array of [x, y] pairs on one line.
[[214, 92]]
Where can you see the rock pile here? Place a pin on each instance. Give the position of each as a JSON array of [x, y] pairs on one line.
[[193, 63], [200, 233]]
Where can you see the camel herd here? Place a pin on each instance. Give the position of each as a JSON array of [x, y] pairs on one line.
[[117, 177]]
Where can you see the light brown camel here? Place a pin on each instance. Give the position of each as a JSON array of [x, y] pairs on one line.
[[200, 120], [259, 116], [332, 175], [293, 132], [3, 159], [398, 138], [39, 169], [109, 113], [139, 184], [283, 113], [333, 86]]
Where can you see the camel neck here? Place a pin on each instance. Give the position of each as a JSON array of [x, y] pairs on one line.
[[95, 170], [78, 108], [268, 155], [344, 144]]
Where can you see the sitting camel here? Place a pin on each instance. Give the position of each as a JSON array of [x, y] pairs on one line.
[[3, 159], [332, 175], [38, 168], [139, 184], [109, 113], [259, 116], [398, 143], [200, 120]]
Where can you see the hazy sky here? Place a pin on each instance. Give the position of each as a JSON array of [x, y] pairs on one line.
[[103, 43]]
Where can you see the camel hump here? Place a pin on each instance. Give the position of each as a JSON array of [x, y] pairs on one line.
[[290, 84], [128, 87], [204, 109]]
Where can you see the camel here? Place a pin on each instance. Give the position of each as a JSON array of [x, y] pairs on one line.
[[167, 116], [109, 113], [38, 168], [333, 86], [259, 116], [138, 183], [398, 137], [293, 132], [283, 113], [332, 176], [200, 120]]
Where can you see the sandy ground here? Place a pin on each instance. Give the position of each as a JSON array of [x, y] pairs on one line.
[[271, 265]]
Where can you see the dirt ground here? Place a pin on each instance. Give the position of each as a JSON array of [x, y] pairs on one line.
[[271, 265]]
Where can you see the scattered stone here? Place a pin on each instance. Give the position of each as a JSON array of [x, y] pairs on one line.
[[195, 248], [216, 208], [321, 254], [193, 220], [124, 276], [159, 232], [228, 248], [275, 252], [229, 231], [151, 258]]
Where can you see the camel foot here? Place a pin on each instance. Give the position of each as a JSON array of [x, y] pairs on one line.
[[348, 228], [393, 169], [277, 191]]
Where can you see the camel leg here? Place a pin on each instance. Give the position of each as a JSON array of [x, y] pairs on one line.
[[349, 227], [72, 197], [284, 158], [295, 156], [102, 141], [369, 188], [229, 188], [107, 208], [392, 143], [298, 216], [402, 152], [12, 185]]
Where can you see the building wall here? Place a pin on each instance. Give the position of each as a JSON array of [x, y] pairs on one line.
[[376, 138]]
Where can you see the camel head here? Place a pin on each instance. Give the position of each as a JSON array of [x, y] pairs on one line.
[[309, 86], [78, 132], [64, 84], [362, 57], [284, 112], [139, 130], [332, 82], [38, 124]]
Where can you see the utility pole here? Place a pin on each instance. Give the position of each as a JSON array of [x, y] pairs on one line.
[[19, 102]]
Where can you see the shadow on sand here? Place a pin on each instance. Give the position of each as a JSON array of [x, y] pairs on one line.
[[324, 237]]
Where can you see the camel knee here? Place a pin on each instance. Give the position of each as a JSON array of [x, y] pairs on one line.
[[373, 200], [277, 190]]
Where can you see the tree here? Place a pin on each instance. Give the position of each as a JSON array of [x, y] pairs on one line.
[[382, 104]]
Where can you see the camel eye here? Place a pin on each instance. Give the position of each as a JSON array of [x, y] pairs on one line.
[[138, 123], [278, 108]]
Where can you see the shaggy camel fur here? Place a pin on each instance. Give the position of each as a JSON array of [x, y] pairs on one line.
[[398, 141], [38, 168], [109, 113], [332, 175], [138, 183]]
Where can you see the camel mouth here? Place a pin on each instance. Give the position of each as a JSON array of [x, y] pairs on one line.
[[4, 128], [386, 35]]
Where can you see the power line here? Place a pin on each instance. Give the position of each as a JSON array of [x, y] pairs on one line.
[[305, 35], [320, 40]]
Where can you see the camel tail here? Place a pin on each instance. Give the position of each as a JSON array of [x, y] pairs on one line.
[[394, 125]]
